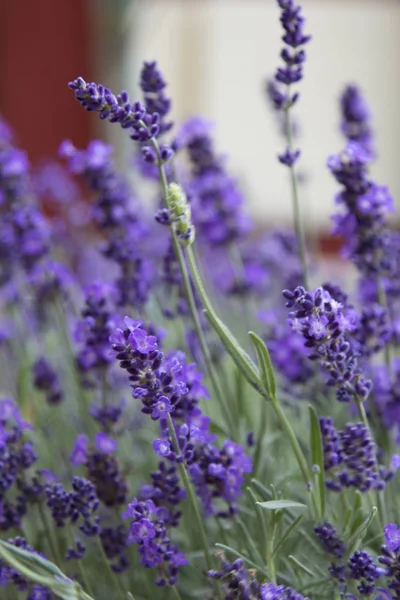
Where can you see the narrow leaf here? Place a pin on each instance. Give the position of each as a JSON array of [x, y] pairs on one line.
[[265, 365], [232, 346], [317, 456], [362, 529], [280, 504], [287, 533], [42, 572], [249, 540], [296, 563]]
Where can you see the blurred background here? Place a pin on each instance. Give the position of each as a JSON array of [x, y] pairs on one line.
[[216, 56]]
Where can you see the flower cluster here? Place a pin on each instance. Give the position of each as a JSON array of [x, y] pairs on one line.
[[103, 469], [16, 458], [148, 530], [116, 212], [355, 115], [293, 56], [324, 323], [46, 380], [350, 458], [390, 558], [169, 388], [330, 539], [145, 122], [387, 394], [216, 201], [240, 583], [368, 241]]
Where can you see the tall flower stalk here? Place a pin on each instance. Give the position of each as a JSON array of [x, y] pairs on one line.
[[280, 91]]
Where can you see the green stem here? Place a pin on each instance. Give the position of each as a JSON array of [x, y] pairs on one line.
[[298, 223], [380, 499], [293, 441], [175, 593], [53, 546], [192, 499], [382, 298], [270, 556], [190, 297], [260, 435], [62, 321], [279, 412], [82, 573], [116, 581]]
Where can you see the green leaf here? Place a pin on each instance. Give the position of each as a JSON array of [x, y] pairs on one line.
[[264, 364], [296, 563], [218, 429], [249, 540], [287, 533], [264, 491], [232, 346], [260, 515], [359, 533], [129, 596], [317, 456], [357, 515], [42, 572], [280, 504]]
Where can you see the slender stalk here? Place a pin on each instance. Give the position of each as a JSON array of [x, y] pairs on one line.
[[382, 298], [114, 577], [53, 546], [261, 433], [298, 223], [293, 441], [278, 410], [270, 556], [175, 593], [190, 297], [192, 499], [82, 573], [380, 499]]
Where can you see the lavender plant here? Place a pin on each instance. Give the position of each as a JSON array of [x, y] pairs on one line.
[[149, 448]]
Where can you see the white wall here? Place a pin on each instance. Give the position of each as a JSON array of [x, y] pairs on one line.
[[216, 55]]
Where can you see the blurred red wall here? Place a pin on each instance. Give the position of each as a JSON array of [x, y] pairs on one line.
[[43, 45]]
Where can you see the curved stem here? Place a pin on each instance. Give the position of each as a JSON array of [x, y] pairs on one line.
[[175, 593], [279, 412], [190, 297], [298, 223]]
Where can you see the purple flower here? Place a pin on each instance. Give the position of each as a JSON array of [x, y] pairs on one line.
[[350, 458], [162, 447], [392, 537], [142, 531], [162, 408], [148, 530], [9, 410], [78, 455], [105, 443], [324, 324], [330, 540], [362, 568], [116, 211], [46, 379], [289, 157], [355, 115]]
